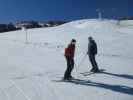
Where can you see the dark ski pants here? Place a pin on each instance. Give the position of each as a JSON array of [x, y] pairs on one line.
[[93, 63], [70, 66]]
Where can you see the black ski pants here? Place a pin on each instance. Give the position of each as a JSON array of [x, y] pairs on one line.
[[93, 62], [70, 66]]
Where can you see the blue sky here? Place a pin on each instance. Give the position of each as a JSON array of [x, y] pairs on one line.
[[43, 10]]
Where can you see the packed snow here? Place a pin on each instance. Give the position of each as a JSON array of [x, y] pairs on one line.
[[30, 69]]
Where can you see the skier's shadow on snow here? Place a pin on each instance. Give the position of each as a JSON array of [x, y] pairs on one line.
[[119, 75], [114, 74], [116, 88]]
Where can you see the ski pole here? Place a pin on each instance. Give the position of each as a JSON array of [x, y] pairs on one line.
[[82, 60], [77, 66]]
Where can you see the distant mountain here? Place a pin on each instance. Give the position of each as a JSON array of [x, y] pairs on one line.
[[28, 24]]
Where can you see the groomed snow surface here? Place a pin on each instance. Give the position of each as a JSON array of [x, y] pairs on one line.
[[32, 70]]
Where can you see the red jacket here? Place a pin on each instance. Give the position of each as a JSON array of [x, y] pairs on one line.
[[70, 50]]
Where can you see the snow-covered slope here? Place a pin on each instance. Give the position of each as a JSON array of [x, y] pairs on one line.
[[127, 23], [28, 70]]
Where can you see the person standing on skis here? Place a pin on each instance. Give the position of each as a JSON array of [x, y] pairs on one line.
[[92, 51], [69, 55]]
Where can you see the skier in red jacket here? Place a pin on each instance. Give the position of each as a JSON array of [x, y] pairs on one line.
[[69, 55]]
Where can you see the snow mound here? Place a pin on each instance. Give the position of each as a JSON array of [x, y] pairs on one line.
[[94, 23], [128, 23]]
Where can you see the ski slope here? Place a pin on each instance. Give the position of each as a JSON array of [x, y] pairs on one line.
[[28, 70]]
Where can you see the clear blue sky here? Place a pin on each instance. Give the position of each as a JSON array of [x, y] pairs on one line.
[[43, 10]]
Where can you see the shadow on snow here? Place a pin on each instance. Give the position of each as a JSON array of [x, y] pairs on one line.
[[116, 88], [119, 75]]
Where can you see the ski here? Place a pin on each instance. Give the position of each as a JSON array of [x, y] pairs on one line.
[[89, 73], [67, 81]]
